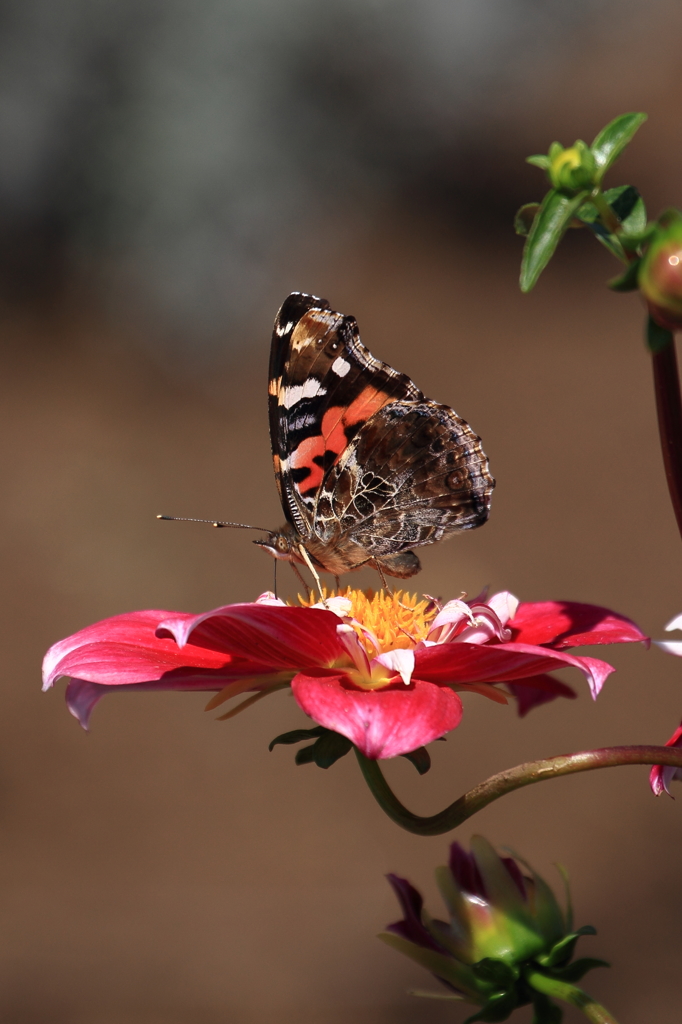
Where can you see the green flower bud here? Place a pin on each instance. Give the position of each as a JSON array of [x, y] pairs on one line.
[[505, 929], [573, 169], [660, 272]]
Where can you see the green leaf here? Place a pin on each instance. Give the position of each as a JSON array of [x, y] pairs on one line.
[[550, 223], [499, 1007], [629, 208], [523, 221], [657, 337], [579, 968], [540, 160], [497, 973], [420, 758], [627, 282], [562, 951], [545, 1011], [612, 140], [296, 736]]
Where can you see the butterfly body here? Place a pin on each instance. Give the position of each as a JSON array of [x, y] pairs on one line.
[[367, 468]]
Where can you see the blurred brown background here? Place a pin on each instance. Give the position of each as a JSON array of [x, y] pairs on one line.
[[169, 172]]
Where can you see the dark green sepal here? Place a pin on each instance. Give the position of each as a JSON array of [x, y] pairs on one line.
[[499, 1007], [420, 758], [551, 221], [627, 282], [306, 755], [657, 337], [495, 972], [296, 736], [545, 1011], [327, 750], [324, 752], [612, 140], [578, 969], [562, 951]]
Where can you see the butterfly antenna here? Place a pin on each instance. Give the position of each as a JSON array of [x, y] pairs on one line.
[[213, 522]]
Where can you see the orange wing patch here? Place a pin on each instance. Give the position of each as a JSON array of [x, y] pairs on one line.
[[310, 453]]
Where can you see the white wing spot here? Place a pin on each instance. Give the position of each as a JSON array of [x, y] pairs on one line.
[[310, 388], [284, 328], [340, 367]]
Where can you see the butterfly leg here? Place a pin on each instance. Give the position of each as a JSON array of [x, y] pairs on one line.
[[338, 584], [300, 579], [383, 578]]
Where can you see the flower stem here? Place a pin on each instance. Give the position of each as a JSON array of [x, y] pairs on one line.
[[669, 410], [570, 994], [606, 214], [506, 782]]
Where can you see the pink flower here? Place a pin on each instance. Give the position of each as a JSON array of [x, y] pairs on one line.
[[662, 775], [381, 670]]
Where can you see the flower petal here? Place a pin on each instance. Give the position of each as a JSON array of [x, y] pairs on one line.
[[500, 663], [125, 649], [411, 904], [670, 646], [532, 692], [570, 624], [381, 723], [400, 661], [82, 695], [662, 775], [282, 637], [675, 623], [504, 604]]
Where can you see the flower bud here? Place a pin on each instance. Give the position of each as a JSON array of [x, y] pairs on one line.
[[660, 273], [505, 929], [572, 169]]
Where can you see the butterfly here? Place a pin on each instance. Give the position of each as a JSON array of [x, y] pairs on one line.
[[367, 468]]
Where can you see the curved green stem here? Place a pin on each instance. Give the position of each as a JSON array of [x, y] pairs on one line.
[[506, 782], [570, 994]]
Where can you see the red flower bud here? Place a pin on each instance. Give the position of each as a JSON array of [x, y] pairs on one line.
[[660, 275]]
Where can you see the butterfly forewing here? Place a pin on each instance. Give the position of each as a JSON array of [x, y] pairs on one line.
[[324, 386]]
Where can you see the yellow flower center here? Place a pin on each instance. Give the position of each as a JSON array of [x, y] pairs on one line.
[[397, 620]]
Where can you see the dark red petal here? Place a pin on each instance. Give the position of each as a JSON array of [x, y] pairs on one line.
[[500, 663], [661, 775], [536, 690], [381, 723], [411, 904], [465, 871], [570, 624], [281, 636]]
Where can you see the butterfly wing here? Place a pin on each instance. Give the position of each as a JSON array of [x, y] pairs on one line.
[[324, 387], [414, 474]]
